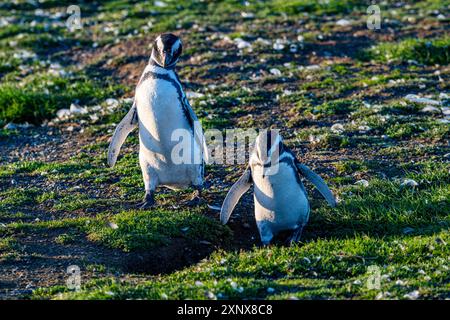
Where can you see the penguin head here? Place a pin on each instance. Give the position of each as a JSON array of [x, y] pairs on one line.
[[268, 146], [166, 50]]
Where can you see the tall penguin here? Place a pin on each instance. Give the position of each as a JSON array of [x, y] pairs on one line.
[[164, 117], [281, 201]]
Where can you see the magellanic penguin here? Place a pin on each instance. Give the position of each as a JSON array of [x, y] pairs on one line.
[[160, 109], [281, 202]]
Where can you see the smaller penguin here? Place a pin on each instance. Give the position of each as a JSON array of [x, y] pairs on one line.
[[281, 202]]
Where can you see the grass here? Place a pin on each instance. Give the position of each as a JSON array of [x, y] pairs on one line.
[[131, 230], [403, 231], [325, 268], [358, 80], [426, 51], [41, 97]]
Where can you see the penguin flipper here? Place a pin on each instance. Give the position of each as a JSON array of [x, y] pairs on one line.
[[236, 191], [123, 129], [198, 131], [318, 183]]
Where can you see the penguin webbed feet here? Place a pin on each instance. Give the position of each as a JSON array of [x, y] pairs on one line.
[[295, 238], [148, 201]]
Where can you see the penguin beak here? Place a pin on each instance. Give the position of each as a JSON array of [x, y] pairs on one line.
[[167, 59]]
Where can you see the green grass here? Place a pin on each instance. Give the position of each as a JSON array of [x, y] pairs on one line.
[[323, 268], [132, 230], [339, 245], [426, 51], [404, 231], [41, 97]]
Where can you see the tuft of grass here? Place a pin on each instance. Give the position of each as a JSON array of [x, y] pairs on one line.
[[426, 51], [133, 230], [41, 98]]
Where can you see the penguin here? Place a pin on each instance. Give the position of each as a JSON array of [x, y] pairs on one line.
[[281, 201], [160, 109]]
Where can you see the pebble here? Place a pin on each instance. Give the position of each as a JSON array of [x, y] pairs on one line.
[[413, 295], [77, 109], [362, 182], [10, 126], [278, 46], [430, 109], [409, 183], [275, 72], [63, 113], [343, 22], [337, 128], [416, 99]]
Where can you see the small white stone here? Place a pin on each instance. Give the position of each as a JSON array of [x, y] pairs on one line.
[[94, 117], [416, 99], [63, 113], [413, 295], [198, 284], [400, 283], [443, 96], [77, 109], [312, 67], [430, 109], [275, 72], [242, 44], [409, 183], [194, 95], [10, 126], [364, 129], [111, 102], [343, 22], [160, 4], [362, 182], [113, 225], [263, 41], [278, 46], [337, 128], [247, 15]]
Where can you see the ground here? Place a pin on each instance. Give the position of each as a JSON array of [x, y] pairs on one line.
[[337, 90]]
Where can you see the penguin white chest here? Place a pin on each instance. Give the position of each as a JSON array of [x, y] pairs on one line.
[[160, 110], [280, 199], [161, 116]]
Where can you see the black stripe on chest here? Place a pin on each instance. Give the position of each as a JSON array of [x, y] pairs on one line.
[[177, 85], [291, 162]]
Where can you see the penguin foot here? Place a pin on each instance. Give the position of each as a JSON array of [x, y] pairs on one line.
[[296, 236], [148, 202]]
